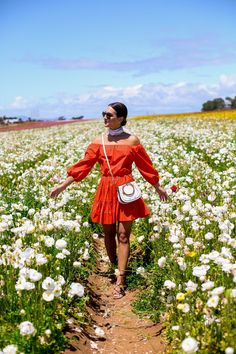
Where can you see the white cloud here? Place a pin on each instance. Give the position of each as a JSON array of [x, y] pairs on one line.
[[20, 103], [140, 99], [228, 81], [176, 54]]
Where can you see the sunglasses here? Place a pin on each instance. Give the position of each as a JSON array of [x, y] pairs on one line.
[[108, 114]]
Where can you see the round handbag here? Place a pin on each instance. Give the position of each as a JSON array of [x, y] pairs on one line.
[[128, 192]]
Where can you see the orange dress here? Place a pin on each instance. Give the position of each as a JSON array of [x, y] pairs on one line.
[[106, 208]]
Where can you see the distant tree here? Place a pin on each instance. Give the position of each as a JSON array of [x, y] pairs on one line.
[[208, 106], [232, 102], [217, 103], [61, 118], [79, 117]]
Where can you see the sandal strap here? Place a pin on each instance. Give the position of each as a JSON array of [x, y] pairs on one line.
[[118, 291]]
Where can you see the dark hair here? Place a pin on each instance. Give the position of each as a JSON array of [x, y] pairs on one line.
[[121, 110]]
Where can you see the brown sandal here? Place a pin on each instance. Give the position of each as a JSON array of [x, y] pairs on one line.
[[119, 289]]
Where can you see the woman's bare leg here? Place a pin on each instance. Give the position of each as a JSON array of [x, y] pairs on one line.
[[124, 230], [110, 241]]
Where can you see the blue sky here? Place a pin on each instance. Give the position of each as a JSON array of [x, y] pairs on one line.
[[73, 57]]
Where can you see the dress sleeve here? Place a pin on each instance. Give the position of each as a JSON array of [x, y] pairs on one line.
[[82, 168], [144, 164]]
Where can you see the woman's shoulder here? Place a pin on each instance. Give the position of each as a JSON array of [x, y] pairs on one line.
[[134, 140], [97, 140]]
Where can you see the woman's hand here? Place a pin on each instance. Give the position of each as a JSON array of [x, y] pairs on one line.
[[61, 187], [56, 191], [161, 191]]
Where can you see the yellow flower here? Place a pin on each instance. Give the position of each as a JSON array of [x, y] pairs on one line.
[[191, 254], [180, 296]]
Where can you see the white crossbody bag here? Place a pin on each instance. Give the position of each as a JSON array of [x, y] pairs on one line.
[[128, 192]]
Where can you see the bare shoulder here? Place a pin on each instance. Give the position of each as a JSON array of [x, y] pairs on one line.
[[134, 140], [97, 140]]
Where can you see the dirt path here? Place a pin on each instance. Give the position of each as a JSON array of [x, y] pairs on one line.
[[124, 332]]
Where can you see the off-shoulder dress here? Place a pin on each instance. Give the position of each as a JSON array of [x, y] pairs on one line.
[[106, 208]]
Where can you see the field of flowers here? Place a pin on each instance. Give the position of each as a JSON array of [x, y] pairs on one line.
[[186, 249]]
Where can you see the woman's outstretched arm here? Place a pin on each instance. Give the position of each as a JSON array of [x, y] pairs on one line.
[[61, 187]]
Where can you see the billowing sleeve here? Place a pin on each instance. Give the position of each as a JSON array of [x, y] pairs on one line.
[[144, 164], [82, 168]]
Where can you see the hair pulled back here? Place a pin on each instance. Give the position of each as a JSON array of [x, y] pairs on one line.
[[121, 111]]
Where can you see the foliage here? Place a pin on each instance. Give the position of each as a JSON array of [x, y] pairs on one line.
[[182, 256]]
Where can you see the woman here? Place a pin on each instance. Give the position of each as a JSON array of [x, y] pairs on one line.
[[122, 150]]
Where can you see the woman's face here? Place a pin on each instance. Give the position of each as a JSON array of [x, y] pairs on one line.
[[110, 118]]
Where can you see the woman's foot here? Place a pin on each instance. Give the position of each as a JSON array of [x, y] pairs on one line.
[[119, 289]]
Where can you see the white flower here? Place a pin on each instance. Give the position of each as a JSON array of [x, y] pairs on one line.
[[10, 349], [175, 328], [229, 350], [31, 211], [48, 332], [213, 255], [189, 241], [40, 259], [207, 285], [27, 328], [77, 264], [61, 244], [60, 255], [191, 286], [22, 284], [189, 345], [173, 238], [34, 275], [226, 252], [211, 197], [140, 271], [76, 289], [66, 252], [94, 236], [169, 284], [57, 291], [183, 307], [61, 280], [233, 293], [140, 238], [186, 207], [209, 236], [161, 262], [48, 284], [218, 291], [181, 263], [86, 254], [48, 295], [213, 301], [49, 241], [200, 271], [204, 258]]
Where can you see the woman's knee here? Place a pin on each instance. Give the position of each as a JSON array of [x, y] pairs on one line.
[[123, 237]]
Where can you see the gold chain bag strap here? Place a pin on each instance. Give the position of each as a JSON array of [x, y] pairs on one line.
[[128, 192]]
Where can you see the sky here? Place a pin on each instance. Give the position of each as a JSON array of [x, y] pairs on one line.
[[74, 57]]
